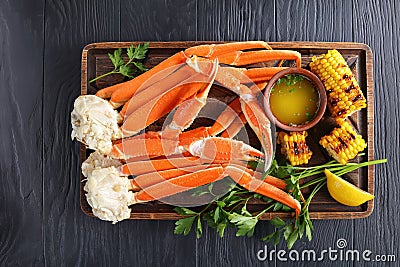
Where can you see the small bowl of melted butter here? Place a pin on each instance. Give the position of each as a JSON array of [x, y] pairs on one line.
[[295, 99]]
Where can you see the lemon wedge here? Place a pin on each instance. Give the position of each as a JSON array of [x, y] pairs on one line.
[[345, 192]]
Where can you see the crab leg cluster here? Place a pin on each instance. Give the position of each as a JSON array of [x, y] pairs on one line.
[[175, 159]]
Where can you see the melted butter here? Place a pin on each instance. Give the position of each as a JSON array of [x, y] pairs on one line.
[[294, 100]]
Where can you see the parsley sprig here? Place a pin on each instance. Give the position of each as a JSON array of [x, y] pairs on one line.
[[135, 54], [231, 208], [290, 79]]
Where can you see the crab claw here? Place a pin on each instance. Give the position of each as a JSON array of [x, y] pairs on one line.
[[95, 123], [218, 148]]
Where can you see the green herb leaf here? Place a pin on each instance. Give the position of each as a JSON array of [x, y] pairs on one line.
[[239, 217], [269, 237], [221, 204], [199, 228], [120, 67], [287, 231], [140, 51], [286, 208], [116, 58], [277, 222], [209, 218], [277, 238], [245, 212], [140, 66], [308, 232], [216, 214], [234, 200], [292, 239], [301, 229], [278, 206], [126, 71], [130, 52], [184, 225], [309, 222], [245, 224], [221, 228], [184, 211]]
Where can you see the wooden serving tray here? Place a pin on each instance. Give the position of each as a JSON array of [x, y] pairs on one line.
[[359, 57]]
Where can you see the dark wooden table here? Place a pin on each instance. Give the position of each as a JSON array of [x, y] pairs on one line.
[[41, 42]]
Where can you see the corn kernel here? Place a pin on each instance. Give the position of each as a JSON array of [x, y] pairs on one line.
[[337, 77], [343, 143], [294, 147]]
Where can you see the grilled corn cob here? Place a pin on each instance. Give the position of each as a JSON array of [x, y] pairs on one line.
[[343, 143], [344, 94], [294, 147]]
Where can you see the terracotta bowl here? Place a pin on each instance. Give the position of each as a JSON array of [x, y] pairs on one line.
[[318, 86]]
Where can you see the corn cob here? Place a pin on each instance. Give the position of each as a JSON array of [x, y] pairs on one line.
[[344, 94], [343, 143], [294, 147]]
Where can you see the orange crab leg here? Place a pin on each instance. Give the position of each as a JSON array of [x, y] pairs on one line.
[[262, 74], [188, 110], [186, 138], [158, 88], [141, 167], [279, 183], [210, 148], [255, 115], [214, 50], [156, 108], [140, 147], [179, 184], [226, 117], [109, 91], [149, 179], [256, 75], [244, 179], [261, 85], [217, 148], [198, 178], [233, 124], [240, 58], [122, 92], [224, 120], [260, 124], [234, 128]]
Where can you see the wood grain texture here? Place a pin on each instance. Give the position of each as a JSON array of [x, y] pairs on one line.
[[154, 242], [236, 20], [71, 238], [95, 62], [21, 132], [376, 24], [232, 250], [302, 20], [40, 219], [154, 20], [299, 20]]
